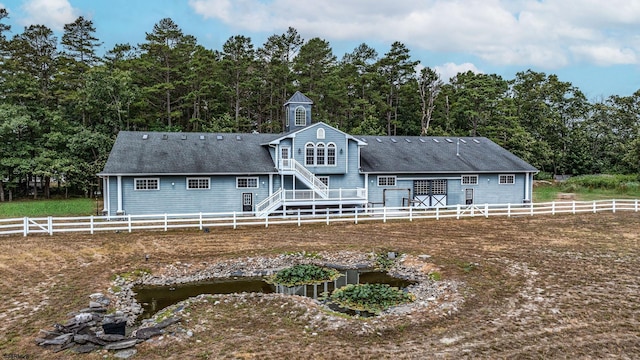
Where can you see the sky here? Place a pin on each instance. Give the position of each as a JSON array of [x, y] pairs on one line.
[[593, 44]]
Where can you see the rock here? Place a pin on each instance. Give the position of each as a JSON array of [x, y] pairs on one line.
[[81, 338], [58, 340], [111, 337], [85, 349], [94, 305], [125, 354], [124, 344], [166, 322], [149, 332], [96, 296], [83, 318]]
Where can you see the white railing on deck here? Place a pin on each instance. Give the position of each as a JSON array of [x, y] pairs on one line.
[[92, 224], [269, 204]]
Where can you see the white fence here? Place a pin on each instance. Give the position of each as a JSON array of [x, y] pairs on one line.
[[203, 221]]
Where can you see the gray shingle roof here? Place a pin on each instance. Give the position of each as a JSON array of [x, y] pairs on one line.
[[437, 155], [169, 153], [299, 98]]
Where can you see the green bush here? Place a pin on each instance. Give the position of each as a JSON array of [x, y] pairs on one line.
[[373, 298], [303, 274]]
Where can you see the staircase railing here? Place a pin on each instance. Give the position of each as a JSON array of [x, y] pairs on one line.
[[305, 175], [269, 204]]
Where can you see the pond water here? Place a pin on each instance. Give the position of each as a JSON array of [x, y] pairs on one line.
[[155, 298]]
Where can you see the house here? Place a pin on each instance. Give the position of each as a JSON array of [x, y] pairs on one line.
[[310, 165]]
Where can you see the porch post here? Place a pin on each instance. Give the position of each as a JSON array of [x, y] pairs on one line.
[[119, 195]]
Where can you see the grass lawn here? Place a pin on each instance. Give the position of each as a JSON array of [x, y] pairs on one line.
[[36, 208]]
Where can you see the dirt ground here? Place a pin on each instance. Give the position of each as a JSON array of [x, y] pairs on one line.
[[544, 287]]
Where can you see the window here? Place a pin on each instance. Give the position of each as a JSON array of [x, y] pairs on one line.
[[147, 184], [197, 183], [288, 117], [386, 181], [331, 154], [320, 154], [247, 182], [301, 116], [320, 133], [469, 179], [310, 152], [506, 179], [324, 179]]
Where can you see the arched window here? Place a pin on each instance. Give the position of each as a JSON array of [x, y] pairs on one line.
[[320, 154], [301, 116], [309, 154], [331, 154], [320, 133]]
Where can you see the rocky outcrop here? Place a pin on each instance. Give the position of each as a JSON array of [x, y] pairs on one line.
[[93, 329]]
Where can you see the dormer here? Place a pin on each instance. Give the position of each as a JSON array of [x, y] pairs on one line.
[[297, 112]]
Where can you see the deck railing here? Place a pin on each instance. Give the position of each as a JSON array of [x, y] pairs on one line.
[[128, 223], [303, 173]]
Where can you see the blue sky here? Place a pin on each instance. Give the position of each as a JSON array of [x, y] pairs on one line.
[[594, 44]]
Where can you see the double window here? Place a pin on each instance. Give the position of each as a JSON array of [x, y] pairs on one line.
[[505, 179], [469, 179], [320, 154], [247, 182], [147, 184], [198, 183], [386, 181]]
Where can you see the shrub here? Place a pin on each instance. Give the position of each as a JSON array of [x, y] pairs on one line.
[[373, 298], [303, 274]]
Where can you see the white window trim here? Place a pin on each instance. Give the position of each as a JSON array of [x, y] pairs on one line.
[[324, 177], [198, 179], [304, 119], [257, 179], [395, 180], [320, 135], [470, 177], [325, 147], [500, 182], [135, 184]]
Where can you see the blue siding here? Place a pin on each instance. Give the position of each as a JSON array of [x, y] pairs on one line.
[[331, 136], [173, 196]]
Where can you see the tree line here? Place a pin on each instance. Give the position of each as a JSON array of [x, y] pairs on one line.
[[62, 104]]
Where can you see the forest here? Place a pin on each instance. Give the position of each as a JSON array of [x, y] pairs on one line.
[[62, 104]]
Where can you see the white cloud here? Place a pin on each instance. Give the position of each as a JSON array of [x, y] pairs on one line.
[[449, 70], [51, 13], [550, 33]]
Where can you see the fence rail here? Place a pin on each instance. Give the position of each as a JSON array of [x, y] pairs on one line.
[[92, 224]]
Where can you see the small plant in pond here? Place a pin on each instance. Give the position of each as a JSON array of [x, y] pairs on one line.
[[303, 274], [373, 298], [386, 259]]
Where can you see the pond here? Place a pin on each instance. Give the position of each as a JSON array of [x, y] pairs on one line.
[[155, 298]]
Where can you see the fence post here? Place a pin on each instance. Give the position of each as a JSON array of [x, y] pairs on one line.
[[91, 224], [509, 210], [458, 212], [235, 225], [166, 220], [129, 217], [384, 214], [266, 221], [25, 226], [437, 213], [299, 218], [531, 205], [356, 215], [613, 205], [573, 207], [553, 208], [486, 210], [594, 206], [50, 224], [200, 220], [327, 213], [636, 205], [410, 213]]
